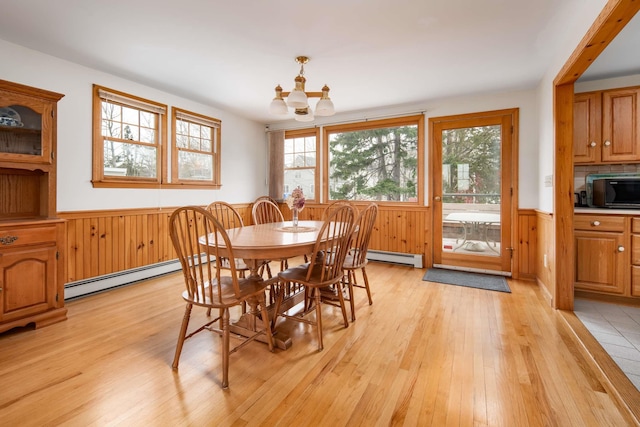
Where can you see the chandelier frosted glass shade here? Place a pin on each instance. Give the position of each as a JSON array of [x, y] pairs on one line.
[[298, 99], [278, 106], [304, 115], [324, 107]]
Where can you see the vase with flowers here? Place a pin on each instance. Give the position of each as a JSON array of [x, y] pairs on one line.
[[296, 203]]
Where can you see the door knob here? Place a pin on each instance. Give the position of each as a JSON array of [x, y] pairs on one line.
[[620, 248], [607, 143], [592, 144], [437, 198]]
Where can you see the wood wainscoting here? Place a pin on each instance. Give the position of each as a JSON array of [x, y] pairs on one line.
[[526, 244], [545, 275], [109, 241]]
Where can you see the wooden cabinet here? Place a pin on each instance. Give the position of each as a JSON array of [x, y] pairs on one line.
[[635, 257], [620, 125], [607, 126], [31, 273], [31, 238], [587, 127], [601, 257]]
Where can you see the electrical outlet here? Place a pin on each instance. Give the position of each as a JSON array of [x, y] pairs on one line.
[[544, 260]]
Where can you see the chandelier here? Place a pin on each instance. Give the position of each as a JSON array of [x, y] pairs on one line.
[[298, 99]]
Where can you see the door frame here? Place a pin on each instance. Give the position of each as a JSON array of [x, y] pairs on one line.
[[512, 209], [611, 20]]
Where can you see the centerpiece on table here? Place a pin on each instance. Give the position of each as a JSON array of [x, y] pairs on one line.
[[296, 203]]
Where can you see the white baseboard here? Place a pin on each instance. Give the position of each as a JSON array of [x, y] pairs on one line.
[[108, 281], [396, 258]]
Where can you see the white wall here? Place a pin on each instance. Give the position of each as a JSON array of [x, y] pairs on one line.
[[528, 139], [580, 15], [604, 84], [243, 141]]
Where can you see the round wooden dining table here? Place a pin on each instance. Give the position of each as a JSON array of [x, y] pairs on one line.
[[256, 244], [277, 240]]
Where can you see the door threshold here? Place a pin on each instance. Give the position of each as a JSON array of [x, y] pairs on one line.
[[473, 270]]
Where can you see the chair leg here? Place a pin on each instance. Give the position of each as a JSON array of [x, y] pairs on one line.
[[182, 334], [343, 307], [225, 348], [265, 319], [352, 304], [318, 317], [366, 284]]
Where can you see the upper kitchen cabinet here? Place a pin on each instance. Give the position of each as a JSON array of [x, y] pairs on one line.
[[620, 125], [587, 127], [606, 126]]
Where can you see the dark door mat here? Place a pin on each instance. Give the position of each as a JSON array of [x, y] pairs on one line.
[[470, 280]]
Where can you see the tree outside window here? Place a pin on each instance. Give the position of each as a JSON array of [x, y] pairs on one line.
[[471, 165], [377, 161]]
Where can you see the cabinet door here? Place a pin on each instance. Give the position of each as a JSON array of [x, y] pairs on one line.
[[601, 261], [620, 125], [27, 282], [587, 129], [26, 134]]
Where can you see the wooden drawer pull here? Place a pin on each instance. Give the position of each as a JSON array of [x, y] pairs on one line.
[[8, 240], [595, 223]]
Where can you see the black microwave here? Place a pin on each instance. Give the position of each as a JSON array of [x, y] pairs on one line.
[[616, 193]]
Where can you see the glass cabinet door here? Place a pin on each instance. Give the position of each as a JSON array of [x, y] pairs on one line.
[[25, 127]]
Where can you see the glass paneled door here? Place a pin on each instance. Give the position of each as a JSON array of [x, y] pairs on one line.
[[472, 192]]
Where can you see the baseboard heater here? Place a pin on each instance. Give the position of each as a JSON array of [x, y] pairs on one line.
[[395, 258], [97, 284]]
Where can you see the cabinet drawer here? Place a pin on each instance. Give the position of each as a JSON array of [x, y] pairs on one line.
[[599, 223], [635, 225], [10, 238]]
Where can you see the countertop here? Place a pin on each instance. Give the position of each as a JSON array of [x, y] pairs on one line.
[[606, 211]]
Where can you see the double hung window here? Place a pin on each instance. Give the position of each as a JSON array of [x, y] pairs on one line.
[[131, 148], [195, 149], [301, 162]]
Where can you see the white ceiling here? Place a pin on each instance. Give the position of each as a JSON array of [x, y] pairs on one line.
[[232, 53]]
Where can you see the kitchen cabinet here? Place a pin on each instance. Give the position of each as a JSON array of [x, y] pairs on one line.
[[606, 126], [31, 237], [587, 127], [601, 257], [620, 136], [635, 257]]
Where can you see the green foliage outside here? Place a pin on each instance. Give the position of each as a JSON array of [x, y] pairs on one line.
[[471, 165], [375, 164]]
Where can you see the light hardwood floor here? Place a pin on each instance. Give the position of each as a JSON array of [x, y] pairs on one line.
[[424, 354]]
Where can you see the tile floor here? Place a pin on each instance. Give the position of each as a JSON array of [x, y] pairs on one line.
[[617, 329]]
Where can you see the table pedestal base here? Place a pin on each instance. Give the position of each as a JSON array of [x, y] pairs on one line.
[[249, 323]]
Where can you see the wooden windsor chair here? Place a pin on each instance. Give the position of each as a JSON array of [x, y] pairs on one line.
[[193, 228]]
